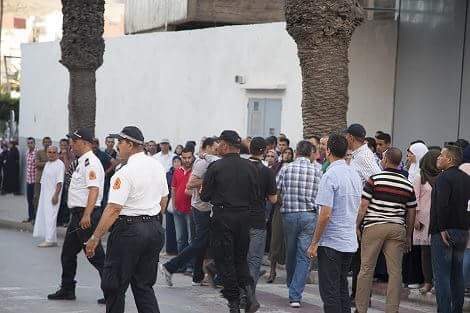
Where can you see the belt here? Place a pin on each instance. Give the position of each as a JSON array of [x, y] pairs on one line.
[[137, 219], [79, 210]]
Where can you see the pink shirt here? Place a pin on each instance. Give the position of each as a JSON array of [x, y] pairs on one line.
[[31, 167], [423, 211]]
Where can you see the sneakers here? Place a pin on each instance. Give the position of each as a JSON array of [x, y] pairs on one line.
[[167, 275], [295, 304], [47, 244], [62, 294]]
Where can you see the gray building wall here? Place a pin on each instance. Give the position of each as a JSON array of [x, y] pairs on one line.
[[432, 75]]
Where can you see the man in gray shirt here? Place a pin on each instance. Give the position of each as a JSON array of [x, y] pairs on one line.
[[201, 214]]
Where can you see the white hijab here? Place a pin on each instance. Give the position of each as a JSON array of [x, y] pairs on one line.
[[419, 150]]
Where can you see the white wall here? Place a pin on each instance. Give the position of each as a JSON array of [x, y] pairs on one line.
[[181, 84]]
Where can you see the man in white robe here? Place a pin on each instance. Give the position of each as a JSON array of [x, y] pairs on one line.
[[49, 200]]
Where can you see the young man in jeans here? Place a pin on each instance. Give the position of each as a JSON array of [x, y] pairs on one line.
[[334, 241], [299, 213], [450, 221]]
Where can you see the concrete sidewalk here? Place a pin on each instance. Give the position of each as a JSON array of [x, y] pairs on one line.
[[13, 210]]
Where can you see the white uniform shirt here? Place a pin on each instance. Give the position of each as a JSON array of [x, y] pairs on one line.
[[139, 186], [89, 173], [166, 160]]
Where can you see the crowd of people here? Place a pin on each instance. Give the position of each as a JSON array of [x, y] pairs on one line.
[[356, 204]]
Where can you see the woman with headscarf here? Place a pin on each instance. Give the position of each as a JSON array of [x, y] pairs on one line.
[[277, 250], [423, 185], [416, 152], [11, 170]]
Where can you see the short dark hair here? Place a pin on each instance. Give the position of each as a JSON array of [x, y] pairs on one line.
[[32, 139], [385, 137], [462, 143], [47, 137], [285, 140], [304, 148], [64, 140], [187, 150], [456, 153], [243, 149], [271, 140], [394, 155], [314, 137], [208, 142], [338, 145], [258, 146], [371, 143]]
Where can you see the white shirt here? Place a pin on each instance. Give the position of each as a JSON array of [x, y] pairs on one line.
[[139, 186], [363, 160], [166, 160], [89, 173]]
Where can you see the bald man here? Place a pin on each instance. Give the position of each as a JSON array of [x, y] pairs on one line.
[[49, 201]]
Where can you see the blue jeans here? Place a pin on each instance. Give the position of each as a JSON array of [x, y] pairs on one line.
[[183, 229], [196, 249], [298, 232], [256, 252], [466, 268], [447, 266]]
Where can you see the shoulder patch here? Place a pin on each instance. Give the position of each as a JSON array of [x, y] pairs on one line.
[[117, 184], [92, 175], [87, 162]]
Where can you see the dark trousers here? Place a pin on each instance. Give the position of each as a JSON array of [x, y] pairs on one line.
[[426, 264], [196, 249], [333, 268], [30, 198], [170, 234], [229, 241], [132, 257], [74, 243], [355, 268], [447, 265], [63, 215]]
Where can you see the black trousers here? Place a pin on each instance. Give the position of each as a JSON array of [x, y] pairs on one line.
[[74, 243], [30, 198], [229, 242], [333, 268], [132, 257]]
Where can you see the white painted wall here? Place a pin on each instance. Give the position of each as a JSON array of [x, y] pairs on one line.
[[181, 84]]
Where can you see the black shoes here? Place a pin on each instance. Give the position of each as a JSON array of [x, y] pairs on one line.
[[62, 294], [234, 306], [252, 304], [101, 301]]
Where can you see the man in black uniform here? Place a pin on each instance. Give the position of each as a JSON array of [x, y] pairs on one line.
[[231, 185]]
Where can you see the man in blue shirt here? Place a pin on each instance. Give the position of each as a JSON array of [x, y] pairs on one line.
[[335, 240]]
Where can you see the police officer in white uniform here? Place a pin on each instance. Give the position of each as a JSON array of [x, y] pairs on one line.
[[84, 199], [138, 192]]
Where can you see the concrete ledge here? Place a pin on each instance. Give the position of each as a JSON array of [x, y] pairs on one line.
[[27, 227]]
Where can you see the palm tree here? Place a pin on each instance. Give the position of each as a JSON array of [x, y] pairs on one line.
[[322, 30], [82, 48]]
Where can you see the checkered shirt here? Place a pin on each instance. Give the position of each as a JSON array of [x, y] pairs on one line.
[[31, 167], [298, 184]]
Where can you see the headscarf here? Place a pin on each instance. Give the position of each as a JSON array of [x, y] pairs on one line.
[[428, 166], [419, 150]]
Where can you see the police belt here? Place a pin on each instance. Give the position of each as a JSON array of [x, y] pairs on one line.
[[227, 209], [80, 210], [136, 219]]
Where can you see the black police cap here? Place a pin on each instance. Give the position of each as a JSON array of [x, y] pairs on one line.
[[85, 134], [130, 133]]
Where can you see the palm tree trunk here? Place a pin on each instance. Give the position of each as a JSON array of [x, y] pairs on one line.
[[82, 99], [322, 30], [82, 48]]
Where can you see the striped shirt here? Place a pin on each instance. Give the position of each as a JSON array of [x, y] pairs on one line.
[[363, 161], [390, 195]]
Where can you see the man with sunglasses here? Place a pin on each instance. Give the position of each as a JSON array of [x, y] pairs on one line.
[[84, 199]]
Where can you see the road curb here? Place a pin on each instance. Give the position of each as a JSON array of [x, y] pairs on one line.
[[27, 227]]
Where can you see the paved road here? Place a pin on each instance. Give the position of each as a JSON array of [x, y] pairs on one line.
[[28, 274]]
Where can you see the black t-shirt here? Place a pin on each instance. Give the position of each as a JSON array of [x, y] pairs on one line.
[[267, 187]]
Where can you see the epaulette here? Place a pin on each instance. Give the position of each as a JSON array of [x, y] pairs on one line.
[[87, 162]]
